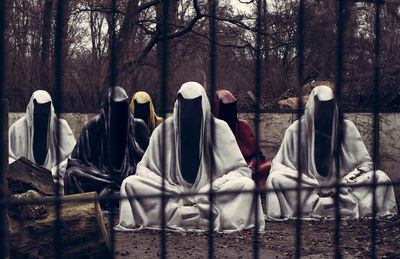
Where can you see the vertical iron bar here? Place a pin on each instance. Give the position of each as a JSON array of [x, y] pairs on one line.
[[4, 246], [164, 92], [339, 78], [300, 50], [58, 105], [112, 82], [376, 158], [112, 39], [212, 31], [3, 8], [257, 83]]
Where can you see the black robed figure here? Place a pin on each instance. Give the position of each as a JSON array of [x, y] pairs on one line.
[[108, 149]]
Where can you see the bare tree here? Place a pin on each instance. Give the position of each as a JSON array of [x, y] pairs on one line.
[[30, 37]]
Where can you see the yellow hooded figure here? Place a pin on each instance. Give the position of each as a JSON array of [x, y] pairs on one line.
[[142, 108]]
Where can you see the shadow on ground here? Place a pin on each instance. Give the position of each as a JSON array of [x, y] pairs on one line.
[[278, 241]]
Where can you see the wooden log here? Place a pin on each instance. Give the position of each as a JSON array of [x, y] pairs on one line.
[[28, 211], [82, 230], [24, 175]]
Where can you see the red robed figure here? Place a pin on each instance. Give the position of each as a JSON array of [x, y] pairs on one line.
[[225, 109]]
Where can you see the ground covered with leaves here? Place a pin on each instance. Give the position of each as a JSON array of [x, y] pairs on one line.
[[278, 241]]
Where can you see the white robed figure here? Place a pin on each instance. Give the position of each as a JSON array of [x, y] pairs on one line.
[[34, 136], [319, 133], [188, 156]]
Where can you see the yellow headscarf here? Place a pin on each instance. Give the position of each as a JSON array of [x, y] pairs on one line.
[[143, 97]]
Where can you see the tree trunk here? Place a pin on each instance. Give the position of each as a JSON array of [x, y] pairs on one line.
[[171, 22], [83, 231], [24, 175], [44, 68], [126, 35]]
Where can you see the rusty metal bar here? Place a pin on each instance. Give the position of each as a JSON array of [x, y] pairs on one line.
[[58, 104], [212, 30], [112, 83], [181, 195], [4, 245], [112, 40], [376, 157], [300, 67], [164, 92], [338, 86], [257, 83], [3, 13]]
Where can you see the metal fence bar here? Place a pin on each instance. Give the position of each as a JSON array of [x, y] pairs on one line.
[[338, 86], [3, 13], [257, 83], [164, 92], [112, 83], [4, 246], [58, 104], [212, 53], [300, 67], [12, 201], [112, 40], [376, 158]]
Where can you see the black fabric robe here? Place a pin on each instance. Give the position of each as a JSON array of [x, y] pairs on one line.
[[89, 168]]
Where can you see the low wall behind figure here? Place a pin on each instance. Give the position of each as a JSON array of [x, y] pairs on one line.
[[75, 120], [273, 126]]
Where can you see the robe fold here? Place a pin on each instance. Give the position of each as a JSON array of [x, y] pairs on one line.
[[22, 135], [225, 109], [142, 97], [232, 212], [91, 166], [356, 167]]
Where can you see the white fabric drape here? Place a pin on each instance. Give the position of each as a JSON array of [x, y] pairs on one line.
[[355, 168], [232, 212], [21, 137]]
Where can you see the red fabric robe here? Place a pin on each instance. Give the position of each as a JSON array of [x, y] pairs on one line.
[[225, 109]]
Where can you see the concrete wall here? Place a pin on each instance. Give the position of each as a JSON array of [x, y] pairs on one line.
[[75, 120], [273, 126]]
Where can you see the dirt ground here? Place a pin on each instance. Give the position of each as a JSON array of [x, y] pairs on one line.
[[278, 241]]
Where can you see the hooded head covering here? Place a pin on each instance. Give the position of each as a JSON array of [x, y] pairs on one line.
[[225, 105], [225, 152], [142, 108], [34, 135], [322, 120], [192, 119], [111, 143], [225, 109]]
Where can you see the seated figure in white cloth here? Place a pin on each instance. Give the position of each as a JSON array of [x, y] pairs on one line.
[[189, 154], [320, 127], [34, 136]]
